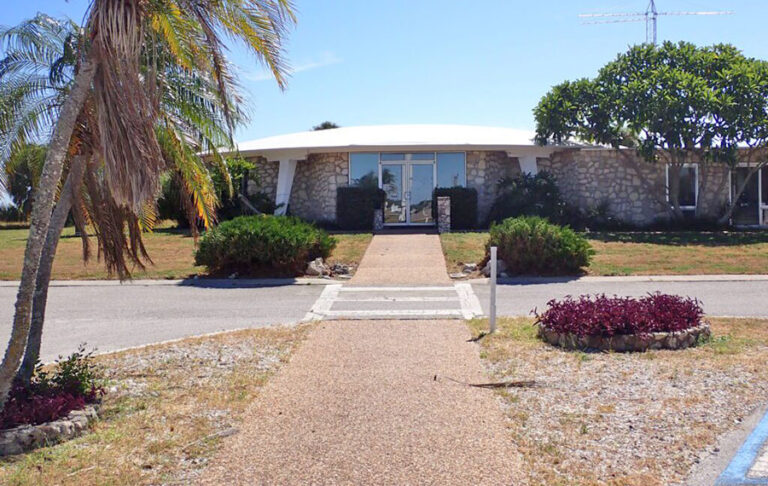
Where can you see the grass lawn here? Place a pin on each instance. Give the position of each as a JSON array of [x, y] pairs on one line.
[[166, 409], [646, 253], [624, 419], [171, 249]]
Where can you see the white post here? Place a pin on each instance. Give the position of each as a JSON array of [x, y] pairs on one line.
[[285, 173], [493, 290]]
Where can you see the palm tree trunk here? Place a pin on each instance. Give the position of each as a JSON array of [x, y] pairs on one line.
[[58, 220], [41, 217]]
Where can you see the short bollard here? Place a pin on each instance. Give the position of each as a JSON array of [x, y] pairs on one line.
[[493, 290]]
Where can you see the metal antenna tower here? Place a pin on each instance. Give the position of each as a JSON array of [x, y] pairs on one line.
[[650, 17]]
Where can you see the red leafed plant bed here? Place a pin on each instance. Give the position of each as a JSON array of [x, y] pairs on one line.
[[655, 321], [30, 405], [71, 385]]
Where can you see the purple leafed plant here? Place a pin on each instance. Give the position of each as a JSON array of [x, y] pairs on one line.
[[600, 315]]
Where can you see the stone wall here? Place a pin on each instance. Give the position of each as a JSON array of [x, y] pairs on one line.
[[484, 169], [263, 178], [633, 190], [313, 196]]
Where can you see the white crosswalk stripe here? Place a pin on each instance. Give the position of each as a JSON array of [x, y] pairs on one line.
[[343, 302]]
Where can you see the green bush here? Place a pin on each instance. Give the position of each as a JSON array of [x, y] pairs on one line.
[[355, 206], [262, 245], [531, 245], [532, 195], [463, 206]]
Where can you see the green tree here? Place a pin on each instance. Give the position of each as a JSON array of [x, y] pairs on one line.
[[113, 98], [671, 104], [22, 175], [326, 125]]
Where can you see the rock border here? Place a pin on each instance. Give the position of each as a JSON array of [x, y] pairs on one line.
[[628, 342], [27, 437]]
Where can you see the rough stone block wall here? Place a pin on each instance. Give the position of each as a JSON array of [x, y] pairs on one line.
[[265, 179], [484, 169], [633, 190], [313, 196]]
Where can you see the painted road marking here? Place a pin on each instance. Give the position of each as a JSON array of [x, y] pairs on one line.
[[323, 303], [738, 471], [460, 294]]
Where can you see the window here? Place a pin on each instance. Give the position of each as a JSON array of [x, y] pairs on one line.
[[451, 169], [689, 186], [392, 156], [764, 185], [364, 170]]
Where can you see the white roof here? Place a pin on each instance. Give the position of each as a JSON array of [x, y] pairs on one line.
[[395, 137]]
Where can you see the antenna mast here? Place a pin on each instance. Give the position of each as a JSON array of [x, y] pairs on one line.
[[650, 17]]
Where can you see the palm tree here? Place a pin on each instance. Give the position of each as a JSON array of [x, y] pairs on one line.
[[125, 99]]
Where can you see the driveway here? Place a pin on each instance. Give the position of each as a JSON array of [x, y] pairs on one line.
[[110, 316], [719, 298]]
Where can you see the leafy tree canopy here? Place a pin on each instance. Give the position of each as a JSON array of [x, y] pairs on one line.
[[325, 126], [672, 100]]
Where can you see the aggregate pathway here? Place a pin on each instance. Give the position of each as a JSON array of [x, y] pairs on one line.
[[358, 404], [402, 259]]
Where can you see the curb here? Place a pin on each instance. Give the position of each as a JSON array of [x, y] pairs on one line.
[[219, 283], [630, 278]]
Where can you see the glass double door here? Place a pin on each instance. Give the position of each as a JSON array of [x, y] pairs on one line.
[[409, 187]]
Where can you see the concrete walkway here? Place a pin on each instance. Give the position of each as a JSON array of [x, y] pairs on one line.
[[370, 402], [403, 259]]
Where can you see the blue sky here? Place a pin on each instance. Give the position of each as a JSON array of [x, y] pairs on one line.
[[481, 62]]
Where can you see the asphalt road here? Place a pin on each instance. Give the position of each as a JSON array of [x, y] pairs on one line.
[[718, 298], [110, 317]]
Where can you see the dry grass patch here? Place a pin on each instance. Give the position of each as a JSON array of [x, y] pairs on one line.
[[461, 248], [350, 248], [171, 249], [625, 419], [645, 253], [166, 409]]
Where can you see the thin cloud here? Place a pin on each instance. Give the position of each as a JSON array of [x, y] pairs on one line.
[[327, 59]]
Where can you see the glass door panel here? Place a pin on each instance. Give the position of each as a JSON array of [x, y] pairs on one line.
[[422, 183], [392, 183], [747, 207]]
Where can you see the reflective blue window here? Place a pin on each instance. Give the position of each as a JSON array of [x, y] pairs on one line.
[[451, 169], [364, 170]]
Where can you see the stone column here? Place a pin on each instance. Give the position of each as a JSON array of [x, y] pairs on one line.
[[443, 214], [378, 220]]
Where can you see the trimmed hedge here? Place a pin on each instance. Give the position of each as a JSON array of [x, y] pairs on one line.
[[355, 206], [262, 245], [463, 206], [611, 316], [530, 245]]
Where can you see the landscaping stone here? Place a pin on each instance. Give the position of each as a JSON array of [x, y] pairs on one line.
[[457, 276], [341, 269], [27, 437], [501, 268], [317, 268], [628, 342], [469, 267]]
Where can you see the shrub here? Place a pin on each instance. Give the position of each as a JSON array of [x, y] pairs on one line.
[[11, 214], [355, 206], [530, 245], [532, 195], [609, 316], [262, 245], [463, 206], [73, 383]]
